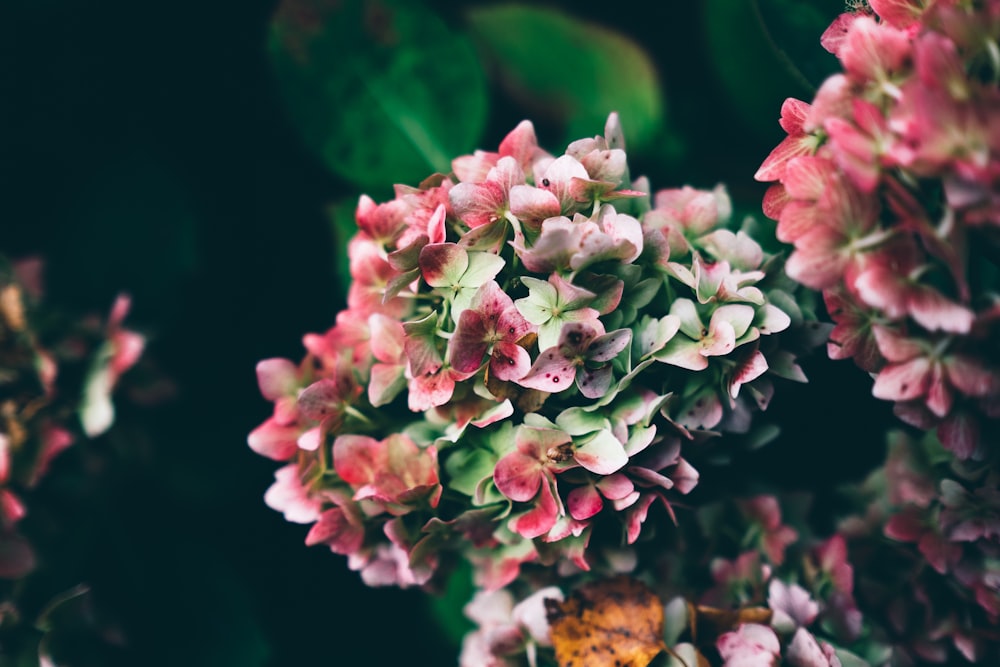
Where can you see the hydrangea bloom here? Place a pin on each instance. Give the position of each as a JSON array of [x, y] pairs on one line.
[[887, 186], [532, 345]]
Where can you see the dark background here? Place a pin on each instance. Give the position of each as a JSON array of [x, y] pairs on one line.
[[144, 147]]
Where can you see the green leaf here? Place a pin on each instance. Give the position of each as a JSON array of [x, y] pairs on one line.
[[756, 73], [384, 92], [570, 70]]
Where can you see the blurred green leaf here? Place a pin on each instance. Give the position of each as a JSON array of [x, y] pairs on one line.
[[746, 42], [575, 72], [447, 609], [384, 91]]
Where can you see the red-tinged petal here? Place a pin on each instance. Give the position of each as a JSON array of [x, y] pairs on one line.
[[737, 315], [720, 341], [435, 225], [320, 399], [431, 390], [775, 200], [533, 205], [804, 651], [960, 434], [939, 552], [520, 143], [898, 13], [608, 346], [685, 477], [907, 526], [287, 495], [311, 440], [128, 347], [335, 530], [934, 312], [552, 372], [872, 50], [818, 261], [557, 178], [491, 301], [939, 394], [518, 476], [808, 177], [478, 204], [385, 383], [277, 378], [894, 346], [274, 441], [904, 381], [971, 376], [442, 264], [12, 508], [602, 454], [750, 369], [473, 168], [797, 218], [635, 516], [683, 352], [616, 486], [540, 519], [584, 502], [596, 382], [703, 413], [793, 114], [468, 346], [647, 478], [387, 338], [775, 164], [510, 362], [358, 459]]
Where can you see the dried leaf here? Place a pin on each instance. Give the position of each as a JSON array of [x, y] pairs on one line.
[[707, 623], [610, 623]]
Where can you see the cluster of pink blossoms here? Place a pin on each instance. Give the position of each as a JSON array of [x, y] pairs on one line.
[[530, 346], [888, 188], [40, 416]]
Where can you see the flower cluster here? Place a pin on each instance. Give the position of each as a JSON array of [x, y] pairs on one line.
[[530, 346], [942, 517], [887, 186], [40, 414]]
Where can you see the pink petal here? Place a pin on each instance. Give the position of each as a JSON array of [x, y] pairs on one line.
[[584, 502], [540, 519], [518, 476], [602, 454], [551, 372], [334, 529], [804, 651], [509, 362], [387, 336], [359, 459], [443, 263], [274, 441], [277, 378], [468, 345], [904, 381], [934, 312], [616, 486]]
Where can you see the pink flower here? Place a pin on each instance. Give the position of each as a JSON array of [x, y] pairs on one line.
[[491, 325], [750, 645], [527, 474], [394, 474], [775, 537], [584, 353]]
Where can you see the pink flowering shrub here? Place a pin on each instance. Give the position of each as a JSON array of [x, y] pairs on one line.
[[56, 381], [887, 187], [531, 347], [40, 416]]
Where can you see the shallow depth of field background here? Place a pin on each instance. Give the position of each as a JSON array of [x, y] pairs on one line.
[[146, 147]]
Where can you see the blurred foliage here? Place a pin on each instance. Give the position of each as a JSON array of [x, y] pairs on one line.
[[571, 71], [189, 153]]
